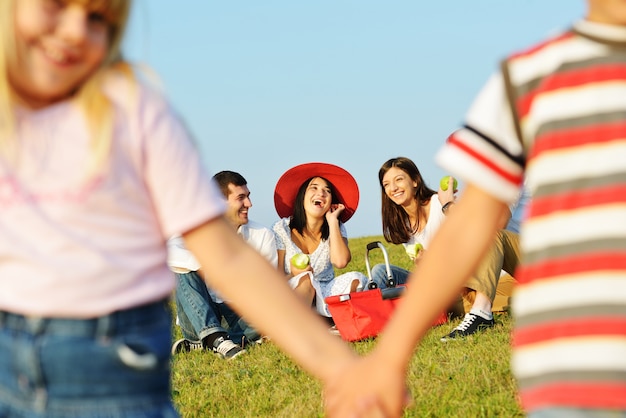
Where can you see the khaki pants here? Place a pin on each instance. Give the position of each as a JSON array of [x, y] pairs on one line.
[[494, 276]]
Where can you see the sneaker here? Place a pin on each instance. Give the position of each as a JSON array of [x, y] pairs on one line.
[[245, 342], [184, 346], [471, 324], [227, 349]]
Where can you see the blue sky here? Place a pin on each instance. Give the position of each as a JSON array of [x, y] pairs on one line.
[[268, 84]]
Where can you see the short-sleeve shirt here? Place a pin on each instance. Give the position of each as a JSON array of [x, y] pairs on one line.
[[319, 258], [564, 130], [435, 218], [80, 245]]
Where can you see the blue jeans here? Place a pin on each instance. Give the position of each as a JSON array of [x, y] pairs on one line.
[[117, 365], [379, 275], [200, 316]]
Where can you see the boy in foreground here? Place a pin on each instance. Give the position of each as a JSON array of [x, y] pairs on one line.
[[556, 116]]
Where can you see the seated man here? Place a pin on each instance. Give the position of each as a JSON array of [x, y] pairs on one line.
[[507, 283], [200, 310]]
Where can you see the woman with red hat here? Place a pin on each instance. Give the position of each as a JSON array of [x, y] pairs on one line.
[[314, 200]]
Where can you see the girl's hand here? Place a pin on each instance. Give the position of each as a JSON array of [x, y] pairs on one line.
[[334, 211], [295, 270], [419, 255], [446, 196], [385, 393]]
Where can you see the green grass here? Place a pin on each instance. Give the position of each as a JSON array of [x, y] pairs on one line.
[[469, 378]]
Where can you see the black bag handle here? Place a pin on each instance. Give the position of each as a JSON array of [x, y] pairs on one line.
[[391, 282]]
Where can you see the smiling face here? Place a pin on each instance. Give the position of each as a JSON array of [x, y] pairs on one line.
[[399, 187], [239, 203], [317, 197], [59, 44]]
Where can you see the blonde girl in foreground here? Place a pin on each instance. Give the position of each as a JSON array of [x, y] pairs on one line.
[[96, 171]]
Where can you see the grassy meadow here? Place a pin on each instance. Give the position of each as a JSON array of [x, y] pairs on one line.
[[469, 378]]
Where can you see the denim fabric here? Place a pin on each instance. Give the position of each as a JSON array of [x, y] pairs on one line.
[[379, 275], [238, 329], [199, 316], [113, 366]]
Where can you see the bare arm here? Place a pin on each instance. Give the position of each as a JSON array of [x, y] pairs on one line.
[[259, 292], [340, 254], [281, 262], [504, 219], [435, 282], [477, 214]]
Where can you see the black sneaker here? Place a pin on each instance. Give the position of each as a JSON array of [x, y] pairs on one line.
[[226, 348], [470, 325], [245, 342], [184, 346]]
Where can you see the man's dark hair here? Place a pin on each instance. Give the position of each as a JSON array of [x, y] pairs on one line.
[[226, 177]]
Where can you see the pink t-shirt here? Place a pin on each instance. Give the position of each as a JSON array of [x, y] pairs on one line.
[[79, 246]]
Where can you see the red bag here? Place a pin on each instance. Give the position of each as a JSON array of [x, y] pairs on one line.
[[361, 315]]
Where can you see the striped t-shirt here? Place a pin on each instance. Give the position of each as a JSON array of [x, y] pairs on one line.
[[569, 109]]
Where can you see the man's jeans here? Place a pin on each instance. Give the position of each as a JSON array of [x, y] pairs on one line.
[[200, 316], [379, 275], [117, 365]]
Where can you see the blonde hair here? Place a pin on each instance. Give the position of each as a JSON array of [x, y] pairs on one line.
[[90, 96]]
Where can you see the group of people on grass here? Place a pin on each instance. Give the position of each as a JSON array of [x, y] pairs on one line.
[[314, 201], [97, 172]]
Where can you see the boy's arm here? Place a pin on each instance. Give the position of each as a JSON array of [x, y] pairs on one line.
[[505, 218], [437, 279], [451, 259]]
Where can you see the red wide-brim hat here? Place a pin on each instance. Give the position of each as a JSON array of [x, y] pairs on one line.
[[344, 185]]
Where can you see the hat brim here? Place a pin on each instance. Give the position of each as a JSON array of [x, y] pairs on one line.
[[344, 185]]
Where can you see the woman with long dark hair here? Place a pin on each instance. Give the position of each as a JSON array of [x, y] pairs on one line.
[[412, 214]]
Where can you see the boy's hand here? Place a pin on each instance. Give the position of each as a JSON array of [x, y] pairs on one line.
[[367, 387]]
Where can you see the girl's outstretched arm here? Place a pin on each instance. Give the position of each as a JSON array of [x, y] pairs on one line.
[[450, 260], [260, 294]]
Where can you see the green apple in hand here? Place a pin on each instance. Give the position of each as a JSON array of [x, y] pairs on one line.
[[444, 183], [300, 261], [413, 250]]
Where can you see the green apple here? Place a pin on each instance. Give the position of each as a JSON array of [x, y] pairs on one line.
[[444, 183], [413, 250], [300, 261]]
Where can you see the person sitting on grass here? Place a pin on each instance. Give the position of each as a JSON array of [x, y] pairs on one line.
[[314, 200], [412, 213], [200, 309]]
